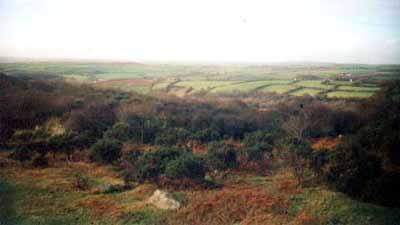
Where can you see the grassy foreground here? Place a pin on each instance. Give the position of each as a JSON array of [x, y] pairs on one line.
[[48, 196]]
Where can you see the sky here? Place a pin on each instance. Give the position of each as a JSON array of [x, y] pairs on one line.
[[342, 31]]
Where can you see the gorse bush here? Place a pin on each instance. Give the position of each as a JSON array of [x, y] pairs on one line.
[[172, 162], [299, 147], [82, 140], [206, 135], [298, 156], [166, 138], [221, 156], [253, 153], [151, 164], [40, 161], [61, 144], [186, 166], [263, 139], [353, 170], [81, 181], [366, 165], [23, 135], [105, 151], [119, 131], [94, 118], [21, 154]]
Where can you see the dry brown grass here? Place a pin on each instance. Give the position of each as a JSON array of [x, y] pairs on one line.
[[59, 177], [245, 198], [325, 143], [306, 219], [245, 204], [101, 206]]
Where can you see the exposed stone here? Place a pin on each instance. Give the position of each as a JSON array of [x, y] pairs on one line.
[[163, 200]]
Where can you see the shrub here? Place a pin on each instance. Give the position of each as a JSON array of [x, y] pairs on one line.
[[94, 118], [300, 147], [167, 138], [82, 140], [261, 138], [114, 188], [132, 156], [119, 131], [221, 156], [58, 142], [254, 159], [186, 166], [40, 161], [206, 135], [23, 135], [319, 160], [77, 103], [353, 171], [169, 163], [21, 154], [81, 181], [253, 153], [299, 157], [61, 143], [151, 164], [105, 151]]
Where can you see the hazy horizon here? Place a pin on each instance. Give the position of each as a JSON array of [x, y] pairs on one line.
[[361, 32], [177, 62]]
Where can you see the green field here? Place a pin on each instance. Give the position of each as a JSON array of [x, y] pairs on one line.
[[140, 89], [356, 88], [160, 86], [348, 94], [280, 89], [306, 91], [341, 83], [313, 84], [248, 86], [129, 70], [183, 80], [198, 85]]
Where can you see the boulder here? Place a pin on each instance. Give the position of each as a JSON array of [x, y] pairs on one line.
[[163, 200]]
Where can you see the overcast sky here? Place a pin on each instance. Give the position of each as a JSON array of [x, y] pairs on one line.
[[359, 31]]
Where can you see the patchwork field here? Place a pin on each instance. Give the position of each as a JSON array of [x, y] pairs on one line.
[[357, 88], [198, 85], [280, 89], [306, 91], [348, 94], [142, 86], [314, 84], [248, 86], [183, 80]]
